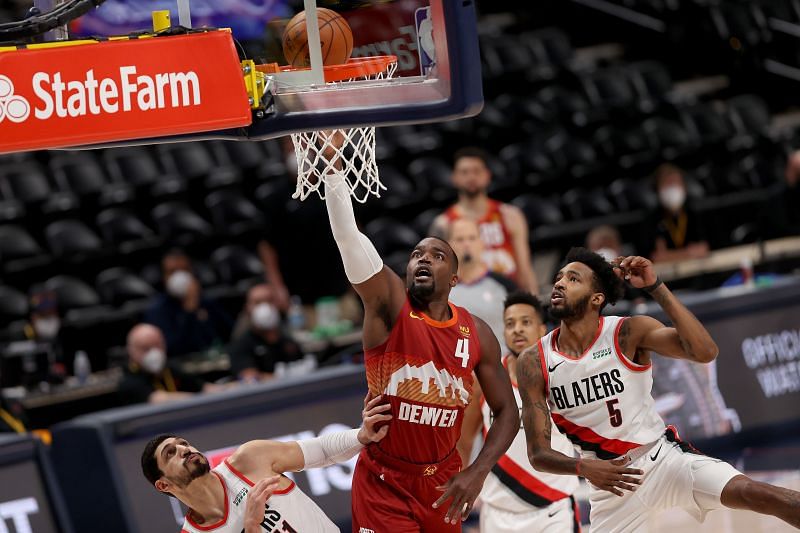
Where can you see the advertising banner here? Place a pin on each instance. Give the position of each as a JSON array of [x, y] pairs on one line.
[[61, 96]]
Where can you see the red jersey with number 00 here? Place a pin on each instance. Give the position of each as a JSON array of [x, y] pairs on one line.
[[424, 369], [498, 251]]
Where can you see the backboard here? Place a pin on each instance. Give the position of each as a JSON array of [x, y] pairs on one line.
[[435, 42]]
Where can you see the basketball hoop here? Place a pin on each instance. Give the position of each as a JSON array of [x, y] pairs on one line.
[[346, 152]]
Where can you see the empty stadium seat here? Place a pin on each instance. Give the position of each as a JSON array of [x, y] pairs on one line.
[[176, 221], [234, 214], [13, 305], [389, 235], [71, 237], [118, 285], [71, 293], [17, 243], [539, 211], [235, 263]]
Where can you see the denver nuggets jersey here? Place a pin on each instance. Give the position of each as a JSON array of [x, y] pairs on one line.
[[287, 511], [498, 251], [602, 400], [514, 485], [425, 371]]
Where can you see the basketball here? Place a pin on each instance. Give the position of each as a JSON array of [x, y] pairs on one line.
[[335, 37]]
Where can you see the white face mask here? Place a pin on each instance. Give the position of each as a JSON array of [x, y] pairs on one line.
[[672, 197], [47, 327], [178, 283], [265, 316], [607, 253], [154, 360]]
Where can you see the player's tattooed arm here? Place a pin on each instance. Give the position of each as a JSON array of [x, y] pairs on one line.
[[688, 339], [536, 416]]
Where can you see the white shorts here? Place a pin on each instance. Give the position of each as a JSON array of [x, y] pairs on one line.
[[558, 517], [672, 478]]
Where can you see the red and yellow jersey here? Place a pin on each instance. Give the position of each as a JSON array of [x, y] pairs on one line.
[[424, 369], [498, 253]]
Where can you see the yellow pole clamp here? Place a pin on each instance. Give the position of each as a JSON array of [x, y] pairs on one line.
[[161, 21], [254, 82]]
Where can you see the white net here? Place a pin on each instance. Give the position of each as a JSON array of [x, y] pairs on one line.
[[348, 152]]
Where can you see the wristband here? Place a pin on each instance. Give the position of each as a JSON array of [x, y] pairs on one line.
[[654, 286]]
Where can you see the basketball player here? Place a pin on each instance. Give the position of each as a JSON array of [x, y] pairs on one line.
[[593, 376], [216, 498], [516, 497], [420, 354], [504, 230]]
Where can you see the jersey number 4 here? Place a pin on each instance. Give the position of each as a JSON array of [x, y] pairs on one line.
[[462, 351]]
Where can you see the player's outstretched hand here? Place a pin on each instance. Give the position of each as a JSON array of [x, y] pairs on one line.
[[636, 270], [256, 501], [375, 416], [462, 489], [612, 475]]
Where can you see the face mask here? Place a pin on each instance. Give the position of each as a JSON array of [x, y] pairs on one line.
[[47, 328], [154, 360], [672, 197], [607, 253], [265, 316], [178, 283]]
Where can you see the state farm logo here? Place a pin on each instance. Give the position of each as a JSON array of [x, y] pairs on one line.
[[12, 106], [57, 96]]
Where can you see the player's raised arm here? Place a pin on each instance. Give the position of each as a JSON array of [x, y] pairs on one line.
[[606, 475], [688, 339], [381, 290], [464, 487], [318, 452]]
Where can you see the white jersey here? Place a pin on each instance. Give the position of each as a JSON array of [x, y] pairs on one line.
[[601, 400], [289, 510], [514, 485]]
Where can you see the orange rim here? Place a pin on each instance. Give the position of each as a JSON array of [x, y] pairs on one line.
[[356, 67]]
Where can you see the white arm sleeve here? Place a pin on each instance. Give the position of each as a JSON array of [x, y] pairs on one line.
[[360, 258], [330, 449]]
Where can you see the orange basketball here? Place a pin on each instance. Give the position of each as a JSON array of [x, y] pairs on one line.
[[335, 37]]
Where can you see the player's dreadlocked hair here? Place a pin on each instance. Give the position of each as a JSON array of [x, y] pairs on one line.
[[605, 280]]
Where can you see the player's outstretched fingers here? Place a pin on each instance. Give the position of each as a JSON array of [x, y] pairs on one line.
[[256, 499]]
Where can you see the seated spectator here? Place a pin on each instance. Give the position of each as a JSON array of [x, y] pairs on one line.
[[253, 355], [605, 241], [189, 321], [148, 377], [503, 227], [780, 215], [675, 232], [479, 289], [44, 329]]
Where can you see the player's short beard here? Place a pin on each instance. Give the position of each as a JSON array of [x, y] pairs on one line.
[[421, 293], [192, 473], [567, 311], [473, 193]]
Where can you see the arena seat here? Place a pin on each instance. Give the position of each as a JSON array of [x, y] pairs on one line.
[[432, 177], [118, 285], [13, 304], [538, 210], [17, 243], [137, 167], [235, 263], [121, 225], [72, 293], [71, 237], [176, 221], [388, 235], [234, 214], [82, 175]]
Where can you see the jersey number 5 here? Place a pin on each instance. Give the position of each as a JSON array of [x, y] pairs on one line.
[[614, 414], [462, 351]]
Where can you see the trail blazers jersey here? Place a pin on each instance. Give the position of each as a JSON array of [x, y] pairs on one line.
[[514, 485], [287, 511], [425, 370], [602, 400]]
